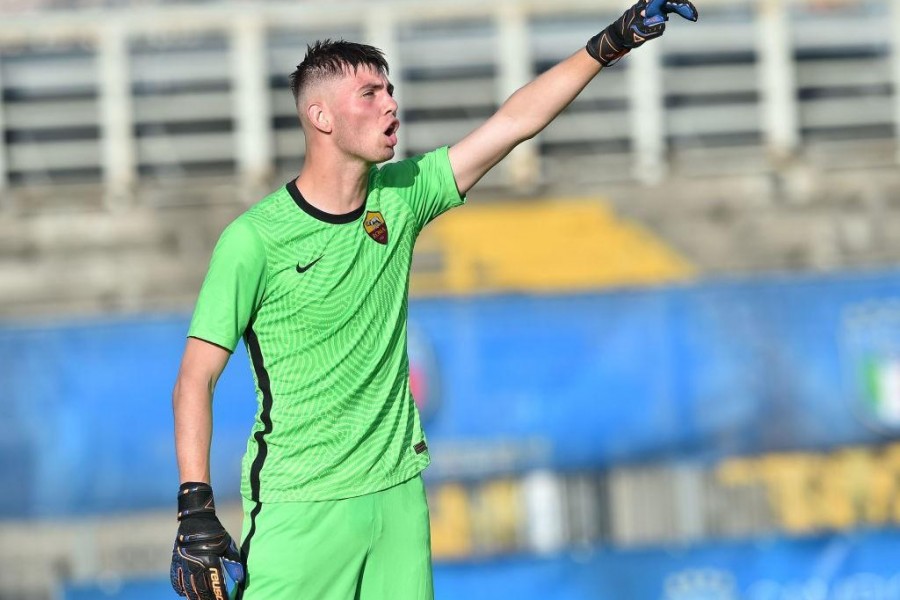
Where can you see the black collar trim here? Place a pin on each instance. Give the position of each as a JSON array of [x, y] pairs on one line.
[[321, 215]]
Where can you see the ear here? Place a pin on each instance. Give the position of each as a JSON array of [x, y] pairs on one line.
[[319, 117]]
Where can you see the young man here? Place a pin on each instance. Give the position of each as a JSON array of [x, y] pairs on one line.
[[315, 278]]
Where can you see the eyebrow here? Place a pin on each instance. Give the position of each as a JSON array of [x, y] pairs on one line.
[[378, 86]]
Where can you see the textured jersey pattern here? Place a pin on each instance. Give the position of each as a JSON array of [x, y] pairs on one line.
[[321, 302]]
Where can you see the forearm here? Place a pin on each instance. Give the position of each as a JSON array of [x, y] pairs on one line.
[[531, 108], [192, 408], [536, 104], [203, 550]]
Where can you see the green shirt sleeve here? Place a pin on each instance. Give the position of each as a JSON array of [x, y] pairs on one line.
[[426, 182], [233, 287]]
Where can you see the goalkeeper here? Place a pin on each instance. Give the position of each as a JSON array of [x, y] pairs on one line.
[[314, 279]]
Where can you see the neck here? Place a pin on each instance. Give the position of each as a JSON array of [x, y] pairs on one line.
[[336, 185]]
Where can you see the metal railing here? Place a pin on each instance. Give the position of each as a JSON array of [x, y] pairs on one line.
[[130, 96]]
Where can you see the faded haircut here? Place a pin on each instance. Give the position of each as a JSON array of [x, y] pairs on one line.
[[326, 59]]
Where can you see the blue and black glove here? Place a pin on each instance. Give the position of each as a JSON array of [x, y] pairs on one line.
[[633, 28], [203, 550]]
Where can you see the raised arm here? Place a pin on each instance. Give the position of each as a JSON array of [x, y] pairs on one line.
[[535, 105], [521, 117]]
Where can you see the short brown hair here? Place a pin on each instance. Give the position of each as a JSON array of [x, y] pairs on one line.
[[327, 58]]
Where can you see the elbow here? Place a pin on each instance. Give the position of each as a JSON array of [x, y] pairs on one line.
[[528, 135], [518, 135], [187, 388], [191, 390], [525, 131], [177, 393], [520, 126], [515, 126]]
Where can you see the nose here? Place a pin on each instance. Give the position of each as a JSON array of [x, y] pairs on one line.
[[392, 106]]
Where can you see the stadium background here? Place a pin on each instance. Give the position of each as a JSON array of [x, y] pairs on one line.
[[657, 355]]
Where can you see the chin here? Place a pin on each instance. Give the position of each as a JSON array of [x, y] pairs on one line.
[[386, 155]]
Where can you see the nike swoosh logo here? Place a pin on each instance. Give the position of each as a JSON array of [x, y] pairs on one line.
[[307, 267]]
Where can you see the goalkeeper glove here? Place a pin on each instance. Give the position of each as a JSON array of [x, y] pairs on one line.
[[203, 550], [658, 11], [633, 28]]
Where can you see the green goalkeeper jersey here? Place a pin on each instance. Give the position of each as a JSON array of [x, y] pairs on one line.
[[321, 302]]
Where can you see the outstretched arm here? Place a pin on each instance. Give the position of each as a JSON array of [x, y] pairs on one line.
[[535, 105], [521, 117]]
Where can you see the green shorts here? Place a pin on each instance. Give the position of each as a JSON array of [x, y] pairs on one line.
[[371, 547]]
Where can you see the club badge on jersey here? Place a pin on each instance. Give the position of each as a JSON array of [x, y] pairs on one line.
[[376, 227]]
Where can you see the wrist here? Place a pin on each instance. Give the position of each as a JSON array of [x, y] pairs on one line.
[[195, 498], [187, 485], [607, 46], [191, 525]]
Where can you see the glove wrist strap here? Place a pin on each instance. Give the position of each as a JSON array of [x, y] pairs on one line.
[[607, 46], [195, 498]]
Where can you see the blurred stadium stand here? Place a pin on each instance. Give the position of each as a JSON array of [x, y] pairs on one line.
[[612, 414], [132, 135]]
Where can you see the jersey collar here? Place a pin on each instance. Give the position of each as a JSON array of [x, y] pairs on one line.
[[318, 214]]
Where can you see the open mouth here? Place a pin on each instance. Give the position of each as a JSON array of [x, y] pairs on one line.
[[392, 128], [391, 133]]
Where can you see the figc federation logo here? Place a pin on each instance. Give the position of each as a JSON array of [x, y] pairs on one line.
[[871, 362]]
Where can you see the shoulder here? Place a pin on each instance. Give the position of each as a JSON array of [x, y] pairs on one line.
[[250, 230], [404, 173], [270, 209], [264, 221], [242, 230]]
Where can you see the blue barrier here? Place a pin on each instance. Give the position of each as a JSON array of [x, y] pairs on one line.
[[857, 566], [702, 370], [139, 589], [86, 423], [697, 371]]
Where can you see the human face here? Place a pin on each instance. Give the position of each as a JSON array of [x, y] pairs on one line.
[[366, 115]]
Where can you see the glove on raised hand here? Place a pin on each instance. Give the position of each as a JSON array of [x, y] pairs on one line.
[[634, 28], [203, 550], [658, 11]]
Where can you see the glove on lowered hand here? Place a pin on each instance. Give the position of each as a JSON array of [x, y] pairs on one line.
[[203, 550]]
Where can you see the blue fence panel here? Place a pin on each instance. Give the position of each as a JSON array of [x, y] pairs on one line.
[[857, 566], [87, 423], [852, 567], [698, 371], [702, 371]]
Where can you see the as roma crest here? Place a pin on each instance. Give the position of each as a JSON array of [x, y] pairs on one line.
[[376, 227]]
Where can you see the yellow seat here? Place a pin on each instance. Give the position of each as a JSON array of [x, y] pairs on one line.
[[546, 246]]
